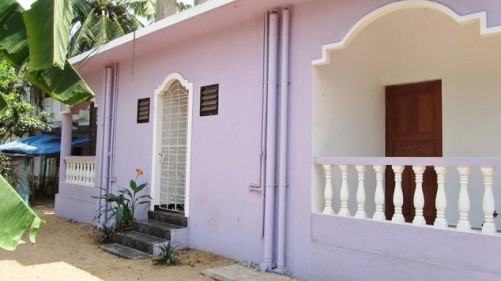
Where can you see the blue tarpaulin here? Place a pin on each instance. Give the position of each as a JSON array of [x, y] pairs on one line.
[[43, 144]]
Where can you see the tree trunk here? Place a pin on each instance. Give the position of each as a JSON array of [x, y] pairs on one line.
[[165, 8]]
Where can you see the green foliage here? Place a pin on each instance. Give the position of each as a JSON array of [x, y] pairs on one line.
[[122, 206], [97, 22], [182, 6], [168, 255], [16, 216], [39, 37], [47, 43], [5, 165], [106, 233], [21, 118], [43, 29]]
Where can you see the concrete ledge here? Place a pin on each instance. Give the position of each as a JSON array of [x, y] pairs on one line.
[[241, 273]]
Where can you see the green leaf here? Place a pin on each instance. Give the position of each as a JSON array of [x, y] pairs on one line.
[[15, 217], [140, 187], [64, 85], [3, 104], [47, 26], [133, 185], [13, 40]]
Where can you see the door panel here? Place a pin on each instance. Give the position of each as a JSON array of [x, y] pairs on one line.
[[413, 129]]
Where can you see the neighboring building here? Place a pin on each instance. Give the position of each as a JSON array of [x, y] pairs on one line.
[[271, 133]]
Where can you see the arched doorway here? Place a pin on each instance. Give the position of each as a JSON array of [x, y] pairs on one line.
[[171, 159]]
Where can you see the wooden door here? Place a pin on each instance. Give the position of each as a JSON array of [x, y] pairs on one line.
[[413, 129]]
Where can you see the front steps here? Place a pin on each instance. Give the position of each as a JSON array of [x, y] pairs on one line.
[[148, 235]]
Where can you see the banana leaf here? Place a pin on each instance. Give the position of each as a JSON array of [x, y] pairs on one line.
[[13, 38], [15, 217], [64, 85], [39, 36], [48, 26]]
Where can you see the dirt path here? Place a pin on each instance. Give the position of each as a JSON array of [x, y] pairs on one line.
[[68, 251]]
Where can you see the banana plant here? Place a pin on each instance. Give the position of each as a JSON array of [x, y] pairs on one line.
[[15, 217], [37, 39]]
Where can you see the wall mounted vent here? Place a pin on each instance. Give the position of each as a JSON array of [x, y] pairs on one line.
[[143, 110], [209, 100]]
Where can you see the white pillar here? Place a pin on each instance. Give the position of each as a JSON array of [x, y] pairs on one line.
[[344, 193], [418, 196], [328, 193], [488, 204], [379, 195], [66, 135], [441, 199], [360, 193], [398, 196], [464, 199]]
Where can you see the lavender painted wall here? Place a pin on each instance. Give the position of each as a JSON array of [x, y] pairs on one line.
[[225, 217]]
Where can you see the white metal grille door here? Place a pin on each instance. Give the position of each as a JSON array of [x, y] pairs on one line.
[[174, 148]]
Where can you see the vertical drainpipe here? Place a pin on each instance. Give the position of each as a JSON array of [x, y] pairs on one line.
[[282, 172], [262, 156], [267, 263], [104, 182]]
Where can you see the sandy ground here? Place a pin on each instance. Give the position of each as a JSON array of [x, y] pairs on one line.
[[68, 251]]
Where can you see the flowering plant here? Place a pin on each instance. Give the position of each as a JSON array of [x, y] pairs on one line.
[[123, 206]]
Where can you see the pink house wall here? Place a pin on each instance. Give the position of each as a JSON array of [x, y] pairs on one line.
[[224, 216]]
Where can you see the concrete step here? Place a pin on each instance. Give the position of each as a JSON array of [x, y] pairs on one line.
[[168, 217], [141, 242], [124, 251], [155, 228]]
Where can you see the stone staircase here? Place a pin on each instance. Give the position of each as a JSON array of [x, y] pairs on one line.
[[147, 235]]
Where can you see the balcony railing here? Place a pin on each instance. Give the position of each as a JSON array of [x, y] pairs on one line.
[[80, 170], [463, 166]]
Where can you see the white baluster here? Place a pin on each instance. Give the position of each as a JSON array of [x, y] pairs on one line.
[[83, 171], [73, 171], [360, 193], [328, 210], [79, 171], [87, 172], [344, 193], [464, 199], [379, 195], [92, 172], [418, 196], [398, 196], [441, 199], [488, 204], [69, 170]]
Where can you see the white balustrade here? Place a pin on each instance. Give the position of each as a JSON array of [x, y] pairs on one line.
[[464, 167], [80, 170]]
